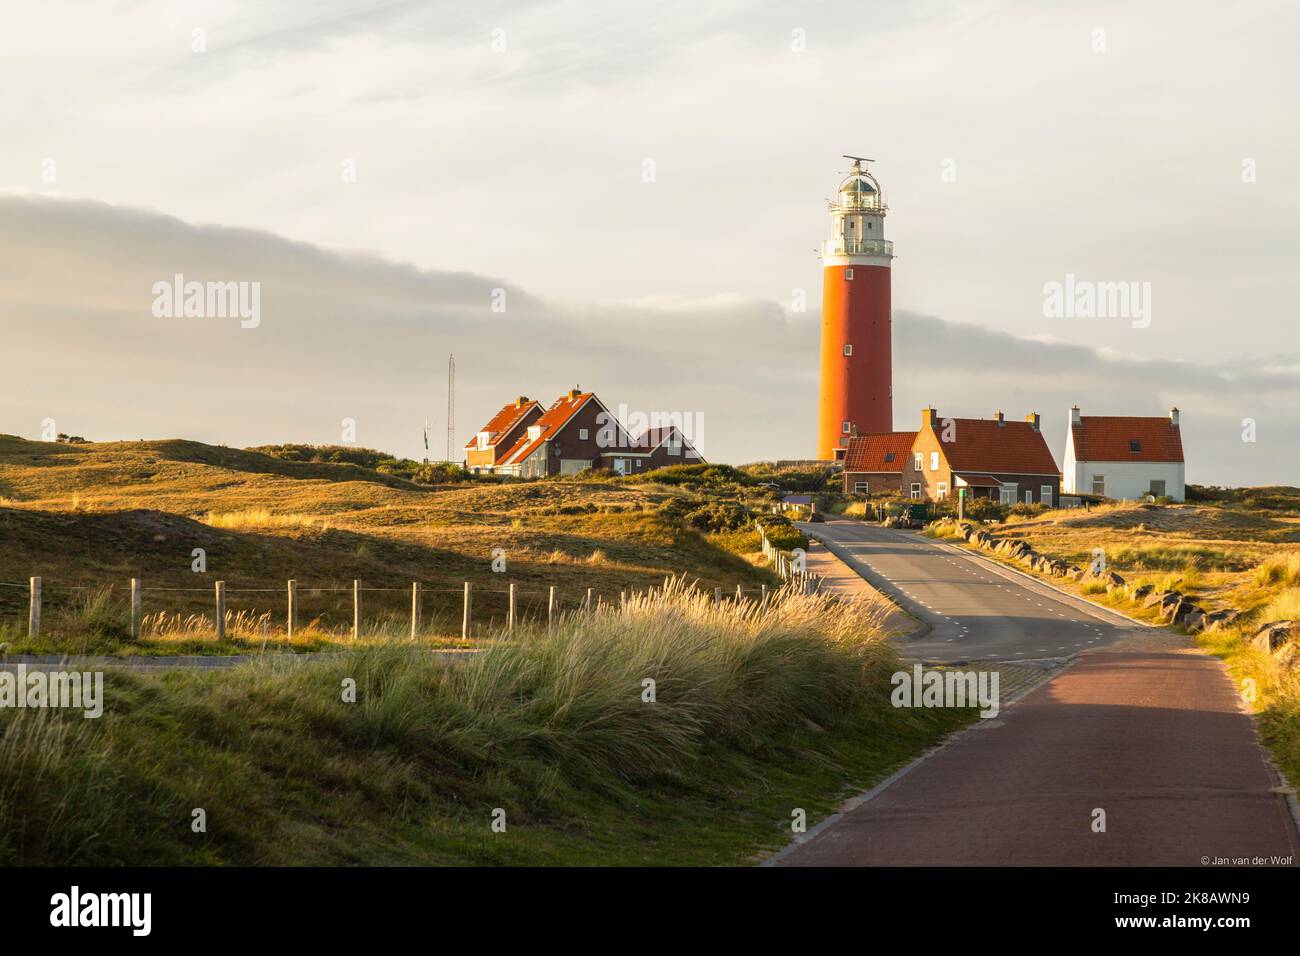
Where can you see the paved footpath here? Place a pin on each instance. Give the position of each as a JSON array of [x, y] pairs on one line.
[[1142, 727]]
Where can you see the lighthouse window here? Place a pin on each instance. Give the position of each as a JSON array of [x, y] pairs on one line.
[[848, 273], [848, 350], [846, 427]]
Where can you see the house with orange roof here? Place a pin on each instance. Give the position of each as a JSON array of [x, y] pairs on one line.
[[484, 452], [873, 464], [575, 433], [1007, 461], [1124, 457]]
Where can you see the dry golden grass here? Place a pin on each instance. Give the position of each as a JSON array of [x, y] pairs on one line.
[[1285, 606], [259, 518], [145, 506], [1281, 568]]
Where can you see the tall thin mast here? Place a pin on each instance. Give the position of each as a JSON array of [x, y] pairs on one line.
[[451, 406]]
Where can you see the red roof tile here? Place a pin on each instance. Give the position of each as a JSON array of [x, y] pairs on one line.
[[503, 421], [872, 453], [1110, 438], [981, 446], [552, 420]]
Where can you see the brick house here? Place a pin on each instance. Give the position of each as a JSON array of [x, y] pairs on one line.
[[1007, 461], [667, 446], [484, 452], [873, 464], [1124, 457], [578, 432]]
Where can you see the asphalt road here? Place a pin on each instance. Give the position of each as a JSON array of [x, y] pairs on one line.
[[975, 610], [1137, 754]]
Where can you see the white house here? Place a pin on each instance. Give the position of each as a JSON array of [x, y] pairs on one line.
[[1123, 457]]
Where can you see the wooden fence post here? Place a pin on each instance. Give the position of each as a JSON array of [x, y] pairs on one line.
[[465, 620], [221, 610], [356, 609], [34, 609], [293, 607], [591, 608], [622, 600], [415, 608], [135, 608], [510, 616], [550, 608], [717, 597], [740, 594], [763, 601]]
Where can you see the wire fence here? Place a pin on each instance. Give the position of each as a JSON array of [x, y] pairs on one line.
[[355, 609]]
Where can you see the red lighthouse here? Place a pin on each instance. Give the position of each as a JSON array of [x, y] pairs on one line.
[[857, 393]]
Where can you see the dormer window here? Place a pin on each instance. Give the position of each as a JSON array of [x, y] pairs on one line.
[[484, 440], [534, 432]]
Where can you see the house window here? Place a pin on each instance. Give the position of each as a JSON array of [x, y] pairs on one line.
[[1045, 494], [860, 488], [934, 461], [582, 434], [941, 490], [916, 489], [917, 461], [846, 427], [674, 447], [1007, 494], [848, 273], [1099, 484], [1029, 496], [1157, 488], [889, 456], [848, 349], [1135, 445]]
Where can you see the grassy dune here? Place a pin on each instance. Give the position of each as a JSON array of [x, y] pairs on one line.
[[89, 517], [755, 715]]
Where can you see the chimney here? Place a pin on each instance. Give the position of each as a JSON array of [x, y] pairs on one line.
[[1173, 417], [929, 417], [1033, 420], [1001, 420], [521, 401], [574, 392], [1075, 415]]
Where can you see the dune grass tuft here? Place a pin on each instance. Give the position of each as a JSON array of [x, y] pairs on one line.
[[669, 730]]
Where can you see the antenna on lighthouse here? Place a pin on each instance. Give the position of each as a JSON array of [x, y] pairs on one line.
[[857, 160]]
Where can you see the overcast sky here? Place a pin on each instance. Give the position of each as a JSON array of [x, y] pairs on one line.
[[381, 167]]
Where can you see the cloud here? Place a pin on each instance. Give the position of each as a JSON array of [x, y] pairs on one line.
[[353, 336]]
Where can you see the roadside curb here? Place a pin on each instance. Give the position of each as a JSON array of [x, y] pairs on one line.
[[866, 796], [1096, 610], [877, 583]]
